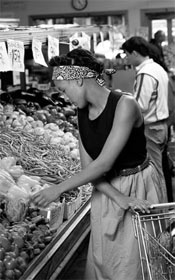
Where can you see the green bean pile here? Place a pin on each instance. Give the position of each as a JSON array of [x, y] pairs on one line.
[[36, 157]]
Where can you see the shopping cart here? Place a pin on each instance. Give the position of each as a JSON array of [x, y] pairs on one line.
[[155, 233]]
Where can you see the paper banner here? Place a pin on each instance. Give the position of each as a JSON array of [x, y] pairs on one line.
[[101, 36], [4, 59], [80, 40], [53, 47], [94, 40], [37, 52], [16, 55]]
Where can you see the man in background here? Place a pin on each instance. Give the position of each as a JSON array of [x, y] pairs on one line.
[[151, 92], [156, 48], [156, 52]]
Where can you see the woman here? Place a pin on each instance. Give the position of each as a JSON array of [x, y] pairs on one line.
[[114, 160]]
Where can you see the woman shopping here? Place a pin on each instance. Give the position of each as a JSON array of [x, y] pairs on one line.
[[113, 158]]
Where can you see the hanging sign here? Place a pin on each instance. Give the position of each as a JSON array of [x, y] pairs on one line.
[[37, 52], [4, 59], [94, 40], [16, 55], [80, 40], [53, 47], [101, 36]]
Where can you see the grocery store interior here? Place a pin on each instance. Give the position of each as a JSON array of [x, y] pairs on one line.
[[39, 127]]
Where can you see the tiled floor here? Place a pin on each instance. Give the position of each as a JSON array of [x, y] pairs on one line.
[[75, 269]]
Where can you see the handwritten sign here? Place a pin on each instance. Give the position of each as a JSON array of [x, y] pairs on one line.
[[37, 52], [16, 55], [4, 59], [53, 47]]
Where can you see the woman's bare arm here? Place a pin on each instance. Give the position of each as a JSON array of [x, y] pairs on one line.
[[126, 116]]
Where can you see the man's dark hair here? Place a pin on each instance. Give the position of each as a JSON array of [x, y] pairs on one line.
[[138, 44]]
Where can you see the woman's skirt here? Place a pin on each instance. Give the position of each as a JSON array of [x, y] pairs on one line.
[[113, 248]]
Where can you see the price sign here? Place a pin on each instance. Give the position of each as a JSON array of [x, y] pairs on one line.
[[37, 52], [53, 47], [16, 55], [4, 59]]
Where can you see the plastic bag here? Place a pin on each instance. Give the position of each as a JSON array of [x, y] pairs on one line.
[[7, 162], [6, 182], [16, 204]]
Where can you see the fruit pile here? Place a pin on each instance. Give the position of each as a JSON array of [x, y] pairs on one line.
[[20, 243], [59, 133]]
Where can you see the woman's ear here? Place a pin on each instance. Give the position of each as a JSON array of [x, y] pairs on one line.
[[135, 53], [79, 82]]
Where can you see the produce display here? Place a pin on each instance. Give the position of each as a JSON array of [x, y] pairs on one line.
[[60, 131], [25, 230], [38, 147], [21, 242]]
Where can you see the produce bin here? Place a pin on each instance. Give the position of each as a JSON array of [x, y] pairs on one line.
[[49, 264], [72, 206], [54, 214]]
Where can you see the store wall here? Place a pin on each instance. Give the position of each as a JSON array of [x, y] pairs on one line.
[[23, 9]]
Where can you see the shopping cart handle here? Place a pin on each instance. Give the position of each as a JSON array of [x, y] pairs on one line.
[[163, 205]]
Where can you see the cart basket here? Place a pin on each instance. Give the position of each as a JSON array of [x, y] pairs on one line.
[[155, 233]]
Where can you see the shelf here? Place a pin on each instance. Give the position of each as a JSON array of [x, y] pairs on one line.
[[27, 34], [55, 256]]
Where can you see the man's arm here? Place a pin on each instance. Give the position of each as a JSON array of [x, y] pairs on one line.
[[144, 90]]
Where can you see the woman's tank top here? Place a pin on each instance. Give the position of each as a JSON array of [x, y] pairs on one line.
[[94, 133]]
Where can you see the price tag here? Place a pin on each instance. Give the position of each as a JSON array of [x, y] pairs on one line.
[[16, 55], [53, 47], [37, 52], [4, 59]]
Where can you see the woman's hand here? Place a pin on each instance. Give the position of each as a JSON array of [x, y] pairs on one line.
[[135, 204], [46, 196]]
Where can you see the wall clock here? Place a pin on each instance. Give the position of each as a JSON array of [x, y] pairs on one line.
[[79, 4]]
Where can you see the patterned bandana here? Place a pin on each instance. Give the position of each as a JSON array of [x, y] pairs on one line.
[[73, 72]]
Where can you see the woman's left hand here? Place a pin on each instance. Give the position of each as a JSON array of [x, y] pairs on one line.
[[45, 196]]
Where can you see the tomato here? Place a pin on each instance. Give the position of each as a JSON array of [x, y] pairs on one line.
[[15, 249], [2, 253], [9, 274], [2, 267], [5, 243], [10, 264], [23, 266], [11, 254], [24, 255], [18, 241], [17, 273], [19, 260]]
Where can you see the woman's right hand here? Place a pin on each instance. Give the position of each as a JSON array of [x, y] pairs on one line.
[[135, 204]]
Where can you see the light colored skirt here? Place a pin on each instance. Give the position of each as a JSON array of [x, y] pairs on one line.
[[113, 248]]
